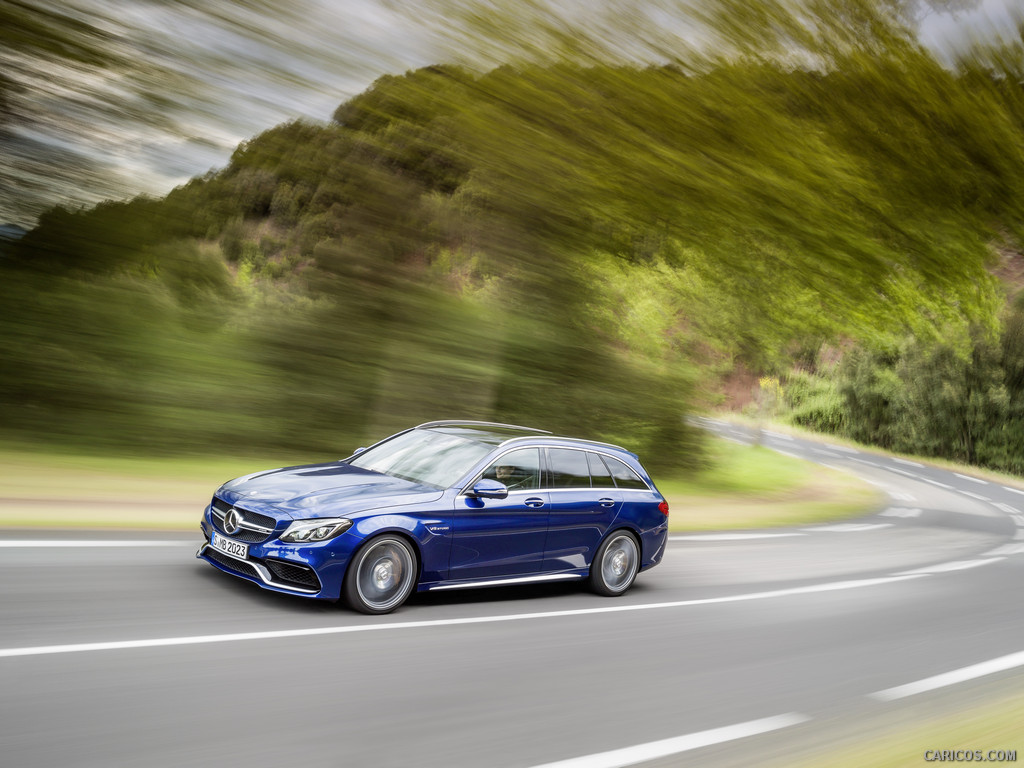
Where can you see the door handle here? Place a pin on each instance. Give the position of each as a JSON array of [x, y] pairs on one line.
[[606, 502], [533, 501]]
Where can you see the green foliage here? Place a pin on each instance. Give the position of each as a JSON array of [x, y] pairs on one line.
[[232, 240], [872, 389], [953, 396], [562, 244], [814, 401]]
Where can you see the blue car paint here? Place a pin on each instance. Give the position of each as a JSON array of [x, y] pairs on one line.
[[457, 540]]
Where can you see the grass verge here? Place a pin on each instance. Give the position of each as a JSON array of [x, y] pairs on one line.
[[744, 487], [982, 724], [983, 473], [53, 490], [755, 487]]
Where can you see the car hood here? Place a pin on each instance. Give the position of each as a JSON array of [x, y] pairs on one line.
[[323, 490]]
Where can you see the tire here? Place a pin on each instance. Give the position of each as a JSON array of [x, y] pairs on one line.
[[616, 564], [381, 576]]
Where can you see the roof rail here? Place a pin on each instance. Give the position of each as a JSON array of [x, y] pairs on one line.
[[573, 440], [463, 422]]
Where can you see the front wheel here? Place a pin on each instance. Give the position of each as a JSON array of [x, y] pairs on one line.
[[616, 565], [381, 576]]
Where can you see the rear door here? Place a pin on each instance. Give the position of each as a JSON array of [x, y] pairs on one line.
[[584, 502]]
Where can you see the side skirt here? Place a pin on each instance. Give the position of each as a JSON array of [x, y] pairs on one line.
[[507, 582]]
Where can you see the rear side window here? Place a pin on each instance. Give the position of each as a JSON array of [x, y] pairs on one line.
[[569, 469], [624, 476], [599, 474]]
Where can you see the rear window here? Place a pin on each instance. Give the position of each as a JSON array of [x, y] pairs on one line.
[[624, 476]]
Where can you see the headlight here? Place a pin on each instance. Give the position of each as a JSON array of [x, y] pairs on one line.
[[302, 531]]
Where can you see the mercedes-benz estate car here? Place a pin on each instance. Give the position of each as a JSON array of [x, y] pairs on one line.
[[445, 505]]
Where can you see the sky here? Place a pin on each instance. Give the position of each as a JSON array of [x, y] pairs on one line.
[[217, 72]]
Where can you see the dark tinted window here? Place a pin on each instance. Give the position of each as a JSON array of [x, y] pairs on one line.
[[569, 469], [624, 476], [518, 470], [599, 474]]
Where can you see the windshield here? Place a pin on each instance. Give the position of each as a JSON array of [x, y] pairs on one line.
[[423, 456]]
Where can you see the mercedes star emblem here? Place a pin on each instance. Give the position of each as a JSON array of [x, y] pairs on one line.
[[232, 521]]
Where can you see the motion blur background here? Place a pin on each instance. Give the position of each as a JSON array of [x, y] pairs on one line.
[[593, 218]]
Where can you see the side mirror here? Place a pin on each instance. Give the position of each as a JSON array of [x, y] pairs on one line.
[[488, 489], [359, 450]]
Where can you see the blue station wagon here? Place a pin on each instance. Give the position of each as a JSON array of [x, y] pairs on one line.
[[445, 505]]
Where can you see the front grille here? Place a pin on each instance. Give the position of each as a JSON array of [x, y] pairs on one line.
[[302, 575], [221, 508], [237, 566], [255, 518]]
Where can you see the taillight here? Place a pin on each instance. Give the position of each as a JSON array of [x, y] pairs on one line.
[[663, 508]]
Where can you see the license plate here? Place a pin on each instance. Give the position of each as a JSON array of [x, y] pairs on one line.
[[229, 547]]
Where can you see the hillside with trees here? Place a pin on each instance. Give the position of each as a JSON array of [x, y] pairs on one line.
[[591, 248]]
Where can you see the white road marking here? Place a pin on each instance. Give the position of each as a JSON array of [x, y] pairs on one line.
[[1013, 490], [903, 472], [901, 512], [907, 462], [903, 496], [841, 448], [1006, 549], [787, 453], [778, 435], [955, 565], [834, 586], [946, 679], [865, 461], [848, 527], [826, 453], [732, 536], [977, 496], [642, 753], [1007, 508], [49, 543], [972, 479], [936, 482]]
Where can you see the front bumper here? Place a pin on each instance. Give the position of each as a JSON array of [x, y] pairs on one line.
[[314, 570], [275, 574]]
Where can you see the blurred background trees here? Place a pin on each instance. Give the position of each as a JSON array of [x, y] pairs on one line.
[[572, 240]]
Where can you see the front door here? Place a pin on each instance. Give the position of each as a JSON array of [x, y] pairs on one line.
[[494, 538]]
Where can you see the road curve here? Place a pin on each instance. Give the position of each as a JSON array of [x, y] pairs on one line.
[[124, 650]]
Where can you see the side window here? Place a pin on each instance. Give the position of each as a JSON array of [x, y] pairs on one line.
[[599, 474], [569, 469], [518, 470], [624, 476]]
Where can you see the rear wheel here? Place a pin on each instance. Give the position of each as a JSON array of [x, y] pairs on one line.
[[381, 576], [616, 564]]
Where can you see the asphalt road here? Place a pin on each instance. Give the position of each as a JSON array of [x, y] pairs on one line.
[[741, 648]]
